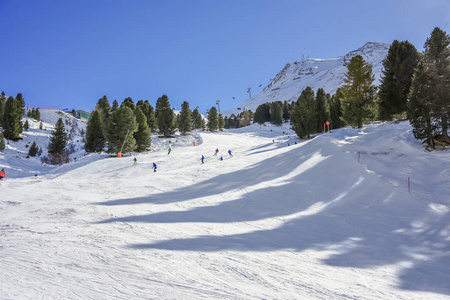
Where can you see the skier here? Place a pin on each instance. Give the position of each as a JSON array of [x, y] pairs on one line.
[[203, 159], [217, 151], [135, 161], [154, 167], [221, 158], [169, 151], [2, 174], [229, 153]]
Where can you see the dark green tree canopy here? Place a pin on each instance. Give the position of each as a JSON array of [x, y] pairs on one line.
[[196, 119], [213, 119], [396, 80], [12, 119], [121, 130], [129, 103], [303, 117], [276, 113], [262, 114], [185, 122], [358, 92], [58, 139], [95, 139], [143, 133], [322, 110], [164, 116]]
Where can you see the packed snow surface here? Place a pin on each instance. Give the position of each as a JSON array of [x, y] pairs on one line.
[[281, 219]]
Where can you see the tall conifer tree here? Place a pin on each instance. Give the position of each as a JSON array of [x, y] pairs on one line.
[[121, 130], [398, 71], [358, 92], [213, 119], [143, 133], [437, 63], [95, 138], [12, 120], [185, 122], [196, 119], [276, 114], [164, 116], [419, 108], [303, 117], [322, 111], [58, 139]]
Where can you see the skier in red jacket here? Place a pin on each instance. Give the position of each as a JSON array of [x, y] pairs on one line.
[[2, 174]]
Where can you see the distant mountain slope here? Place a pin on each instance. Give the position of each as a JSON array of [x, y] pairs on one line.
[[288, 84]]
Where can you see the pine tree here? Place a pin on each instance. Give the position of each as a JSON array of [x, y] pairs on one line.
[[221, 122], [358, 92], [115, 106], [151, 119], [245, 118], [196, 119], [33, 150], [122, 125], [26, 126], [398, 71], [322, 111], [2, 107], [36, 114], [213, 119], [437, 63], [58, 139], [185, 122], [286, 111], [303, 117], [276, 114], [12, 120], [418, 105], [143, 133], [21, 104], [262, 114], [234, 122], [2, 142], [336, 110], [128, 102], [103, 108], [95, 138], [164, 116]]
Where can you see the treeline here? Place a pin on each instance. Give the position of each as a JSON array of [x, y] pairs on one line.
[[414, 86], [127, 127]]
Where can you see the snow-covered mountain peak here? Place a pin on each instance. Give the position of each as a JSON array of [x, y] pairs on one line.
[[328, 74]]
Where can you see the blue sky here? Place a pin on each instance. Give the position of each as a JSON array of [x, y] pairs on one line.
[[71, 53]]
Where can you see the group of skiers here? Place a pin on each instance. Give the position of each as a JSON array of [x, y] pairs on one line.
[[154, 167], [215, 154]]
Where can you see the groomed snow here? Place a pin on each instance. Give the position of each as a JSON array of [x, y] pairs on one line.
[[304, 221]]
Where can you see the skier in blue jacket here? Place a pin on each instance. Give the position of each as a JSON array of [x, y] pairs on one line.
[[203, 159], [154, 167], [229, 153]]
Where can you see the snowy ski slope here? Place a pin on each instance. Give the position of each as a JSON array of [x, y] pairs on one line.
[[304, 221]]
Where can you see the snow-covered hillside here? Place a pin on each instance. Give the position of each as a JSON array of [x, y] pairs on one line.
[[281, 219], [21, 165], [328, 74]]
